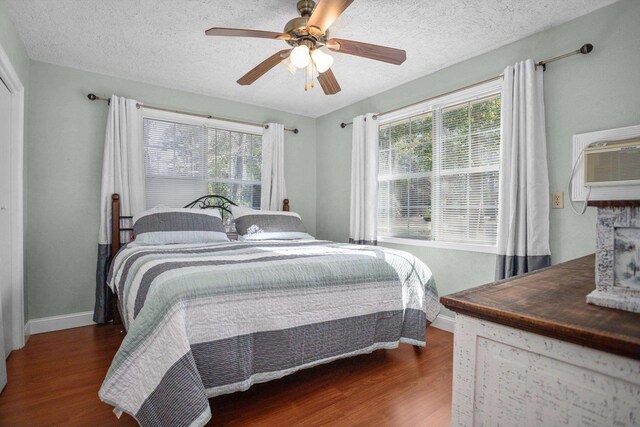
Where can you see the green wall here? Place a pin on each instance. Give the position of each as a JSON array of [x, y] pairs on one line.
[[65, 131], [582, 94], [64, 152]]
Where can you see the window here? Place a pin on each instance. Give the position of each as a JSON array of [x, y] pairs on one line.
[[438, 171], [187, 158]]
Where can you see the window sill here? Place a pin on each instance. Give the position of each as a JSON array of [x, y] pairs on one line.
[[441, 245]]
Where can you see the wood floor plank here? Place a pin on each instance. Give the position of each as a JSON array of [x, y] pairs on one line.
[[54, 380]]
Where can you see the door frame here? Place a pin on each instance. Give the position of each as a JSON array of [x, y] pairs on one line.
[[16, 88]]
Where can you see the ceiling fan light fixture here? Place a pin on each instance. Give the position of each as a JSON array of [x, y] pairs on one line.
[[289, 65], [322, 60], [300, 57]]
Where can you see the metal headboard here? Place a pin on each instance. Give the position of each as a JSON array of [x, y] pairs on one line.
[[215, 202], [212, 201]]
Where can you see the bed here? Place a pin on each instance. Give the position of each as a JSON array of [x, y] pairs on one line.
[[205, 319]]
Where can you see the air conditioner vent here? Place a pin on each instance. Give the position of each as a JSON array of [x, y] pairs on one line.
[[612, 163]]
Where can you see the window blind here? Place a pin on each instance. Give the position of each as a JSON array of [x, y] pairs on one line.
[[438, 174], [184, 162], [405, 175]]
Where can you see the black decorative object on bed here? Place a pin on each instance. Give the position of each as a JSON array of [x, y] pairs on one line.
[[218, 202], [213, 202]]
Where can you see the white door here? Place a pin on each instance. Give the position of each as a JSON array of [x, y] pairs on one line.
[[6, 343]]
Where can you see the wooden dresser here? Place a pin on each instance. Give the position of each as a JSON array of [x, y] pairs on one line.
[[529, 351]]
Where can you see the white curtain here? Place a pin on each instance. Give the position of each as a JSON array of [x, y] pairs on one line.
[[364, 181], [274, 189], [122, 173], [523, 225]]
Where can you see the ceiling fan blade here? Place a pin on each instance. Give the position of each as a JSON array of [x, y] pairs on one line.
[[262, 68], [239, 32], [326, 12], [329, 83], [366, 50]]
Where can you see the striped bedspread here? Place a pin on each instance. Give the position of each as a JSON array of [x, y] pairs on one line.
[[210, 319]]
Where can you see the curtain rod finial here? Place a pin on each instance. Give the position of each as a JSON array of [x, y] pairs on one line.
[[343, 125], [296, 130], [586, 48], [92, 96]]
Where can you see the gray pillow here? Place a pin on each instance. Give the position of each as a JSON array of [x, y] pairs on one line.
[[252, 224], [161, 226]]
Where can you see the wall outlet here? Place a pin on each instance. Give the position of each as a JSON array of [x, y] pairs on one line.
[[557, 200]]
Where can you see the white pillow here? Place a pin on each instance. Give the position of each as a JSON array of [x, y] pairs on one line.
[[254, 224]]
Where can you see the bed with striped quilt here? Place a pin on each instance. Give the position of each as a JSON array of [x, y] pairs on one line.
[[209, 319]]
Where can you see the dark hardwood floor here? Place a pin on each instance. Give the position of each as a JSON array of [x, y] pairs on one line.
[[54, 380]]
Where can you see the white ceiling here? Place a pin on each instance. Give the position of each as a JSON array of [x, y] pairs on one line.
[[163, 42]]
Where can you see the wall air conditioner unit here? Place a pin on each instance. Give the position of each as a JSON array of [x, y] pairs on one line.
[[606, 165], [612, 163]]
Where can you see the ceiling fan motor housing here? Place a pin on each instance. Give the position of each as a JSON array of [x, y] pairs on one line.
[[297, 27]]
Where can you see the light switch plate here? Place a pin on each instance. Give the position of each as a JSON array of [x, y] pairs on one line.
[[557, 200]]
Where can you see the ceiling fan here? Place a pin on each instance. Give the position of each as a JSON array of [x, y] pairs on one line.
[[307, 34]]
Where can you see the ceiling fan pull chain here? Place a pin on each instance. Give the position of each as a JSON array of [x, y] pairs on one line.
[[313, 65]]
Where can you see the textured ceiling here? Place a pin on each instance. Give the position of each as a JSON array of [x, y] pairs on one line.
[[163, 42]]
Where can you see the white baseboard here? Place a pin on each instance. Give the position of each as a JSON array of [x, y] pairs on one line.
[[445, 323], [58, 323]]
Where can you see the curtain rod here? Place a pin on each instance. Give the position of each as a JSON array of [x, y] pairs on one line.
[[94, 97], [584, 49]]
